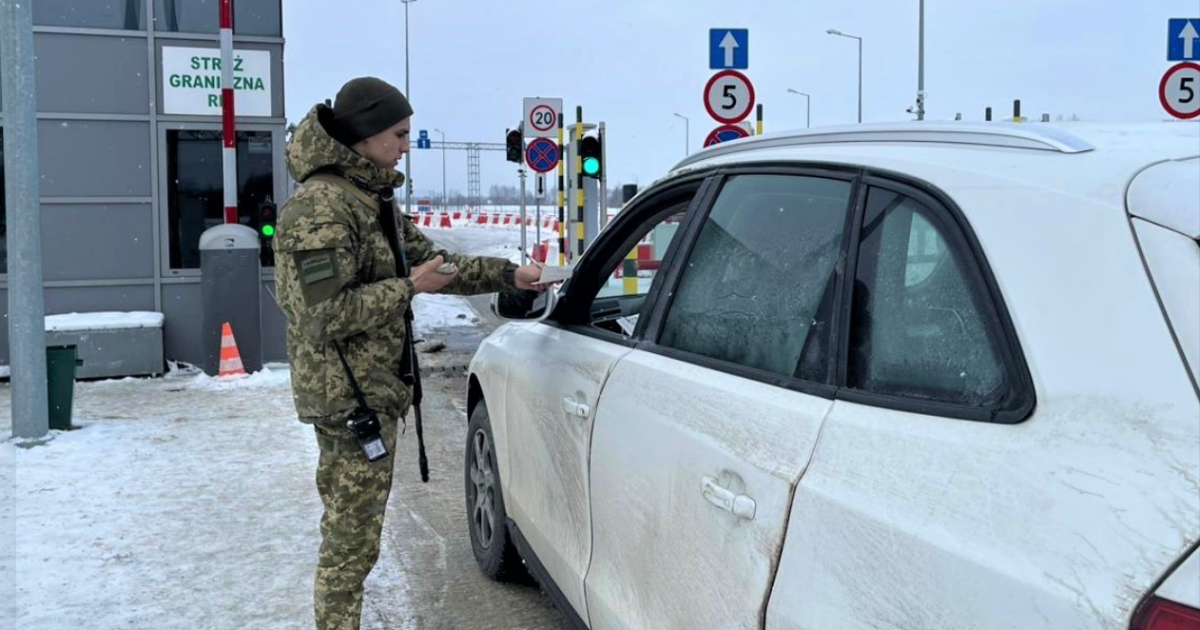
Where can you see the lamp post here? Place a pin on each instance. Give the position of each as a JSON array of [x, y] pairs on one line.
[[445, 199], [408, 95], [686, 133], [921, 63], [807, 107], [834, 31]]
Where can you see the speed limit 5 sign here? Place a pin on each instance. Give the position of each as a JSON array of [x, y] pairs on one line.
[[1179, 90], [729, 97]]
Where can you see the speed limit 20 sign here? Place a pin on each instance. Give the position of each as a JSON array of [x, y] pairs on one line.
[[1179, 90], [541, 117], [729, 97]]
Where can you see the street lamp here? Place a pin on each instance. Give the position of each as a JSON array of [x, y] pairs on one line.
[[919, 109], [408, 95], [834, 31], [686, 133], [807, 106], [445, 199]]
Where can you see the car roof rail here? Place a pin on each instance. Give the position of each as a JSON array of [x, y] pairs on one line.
[[991, 134]]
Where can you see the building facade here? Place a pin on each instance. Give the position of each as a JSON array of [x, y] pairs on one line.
[[129, 140]]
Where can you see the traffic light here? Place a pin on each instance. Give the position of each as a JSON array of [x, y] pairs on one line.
[[590, 156], [266, 220], [513, 146]]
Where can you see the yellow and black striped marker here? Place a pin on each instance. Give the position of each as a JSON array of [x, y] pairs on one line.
[[562, 202]]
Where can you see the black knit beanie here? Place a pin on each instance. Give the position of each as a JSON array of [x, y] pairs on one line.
[[366, 106]]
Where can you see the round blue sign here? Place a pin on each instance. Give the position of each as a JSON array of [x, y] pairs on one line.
[[542, 155], [725, 133]]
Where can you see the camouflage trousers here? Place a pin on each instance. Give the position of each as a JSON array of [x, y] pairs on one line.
[[355, 495]]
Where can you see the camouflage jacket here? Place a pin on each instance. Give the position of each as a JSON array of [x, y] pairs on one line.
[[338, 280]]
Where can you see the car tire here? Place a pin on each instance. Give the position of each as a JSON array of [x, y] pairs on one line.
[[495, 552]]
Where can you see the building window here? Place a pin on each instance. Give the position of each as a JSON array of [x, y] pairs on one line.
[[195, 199], [250, 17], [124, 15]]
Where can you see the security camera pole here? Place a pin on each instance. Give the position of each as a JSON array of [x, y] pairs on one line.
[[26, 305]]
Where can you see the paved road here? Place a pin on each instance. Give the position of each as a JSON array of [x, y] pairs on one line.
[[427, 548]]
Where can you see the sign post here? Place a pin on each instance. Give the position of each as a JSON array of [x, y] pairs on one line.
[[729, 95]]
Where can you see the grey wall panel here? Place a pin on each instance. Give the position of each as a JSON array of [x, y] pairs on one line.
[[92, 74], [4, 327], [80, 158], [97, 242], [109, 14], [184, 316], [94, 299], [274, 327]]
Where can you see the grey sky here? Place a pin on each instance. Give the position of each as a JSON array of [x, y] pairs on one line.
[[632, 63]]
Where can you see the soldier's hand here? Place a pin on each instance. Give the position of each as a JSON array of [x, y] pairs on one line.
[[426, 278], [527, 276]]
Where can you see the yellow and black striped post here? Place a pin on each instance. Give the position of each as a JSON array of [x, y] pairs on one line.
[[629, 272], [579, 225], [562, 203]]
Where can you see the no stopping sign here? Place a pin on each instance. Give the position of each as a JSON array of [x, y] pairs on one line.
[[1179, 90]]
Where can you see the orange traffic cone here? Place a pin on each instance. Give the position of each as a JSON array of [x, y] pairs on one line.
[[231, 359]]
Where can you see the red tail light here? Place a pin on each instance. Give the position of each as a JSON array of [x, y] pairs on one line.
[[1160, 614]]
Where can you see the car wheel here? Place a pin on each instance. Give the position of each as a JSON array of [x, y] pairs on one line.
[[494, 550]]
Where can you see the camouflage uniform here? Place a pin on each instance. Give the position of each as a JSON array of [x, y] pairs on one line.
[[338, 280]]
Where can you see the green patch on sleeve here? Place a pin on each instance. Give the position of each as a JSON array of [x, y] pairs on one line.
[[318, 275], [315, 266]]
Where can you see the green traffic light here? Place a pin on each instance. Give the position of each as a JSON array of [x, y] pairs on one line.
[[268, 230], [591, 166]]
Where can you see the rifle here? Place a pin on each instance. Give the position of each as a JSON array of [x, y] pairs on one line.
[[417, 393], [412, 375]]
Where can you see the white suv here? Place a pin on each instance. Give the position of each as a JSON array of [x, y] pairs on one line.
[[922, 375]]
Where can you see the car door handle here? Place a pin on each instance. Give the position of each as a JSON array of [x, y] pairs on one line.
[[739, 505], [575, 408]]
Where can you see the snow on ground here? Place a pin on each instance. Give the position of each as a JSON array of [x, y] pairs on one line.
[[183, 501], [442, 311], [169, 507]]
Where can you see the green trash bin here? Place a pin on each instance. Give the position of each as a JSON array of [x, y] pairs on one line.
[[61, 362]]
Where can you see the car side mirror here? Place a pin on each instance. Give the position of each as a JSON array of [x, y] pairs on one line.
[[525, 305]]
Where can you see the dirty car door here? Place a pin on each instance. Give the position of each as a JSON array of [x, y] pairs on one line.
[[553, 391], [701, 437]]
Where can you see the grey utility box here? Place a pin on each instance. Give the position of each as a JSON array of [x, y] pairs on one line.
[[230, 286], [111, 344]]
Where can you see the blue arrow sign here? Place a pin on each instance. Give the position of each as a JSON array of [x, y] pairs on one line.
[[424, 143], [1182, 36], [729, 48], [423, 134]]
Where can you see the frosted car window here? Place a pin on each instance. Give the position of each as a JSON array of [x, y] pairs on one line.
[[917, 328], [757, 289]]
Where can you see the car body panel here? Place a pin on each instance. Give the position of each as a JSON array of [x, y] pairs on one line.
[[652, 450]]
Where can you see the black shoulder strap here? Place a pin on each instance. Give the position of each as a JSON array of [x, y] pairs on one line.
[[358, 393]]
